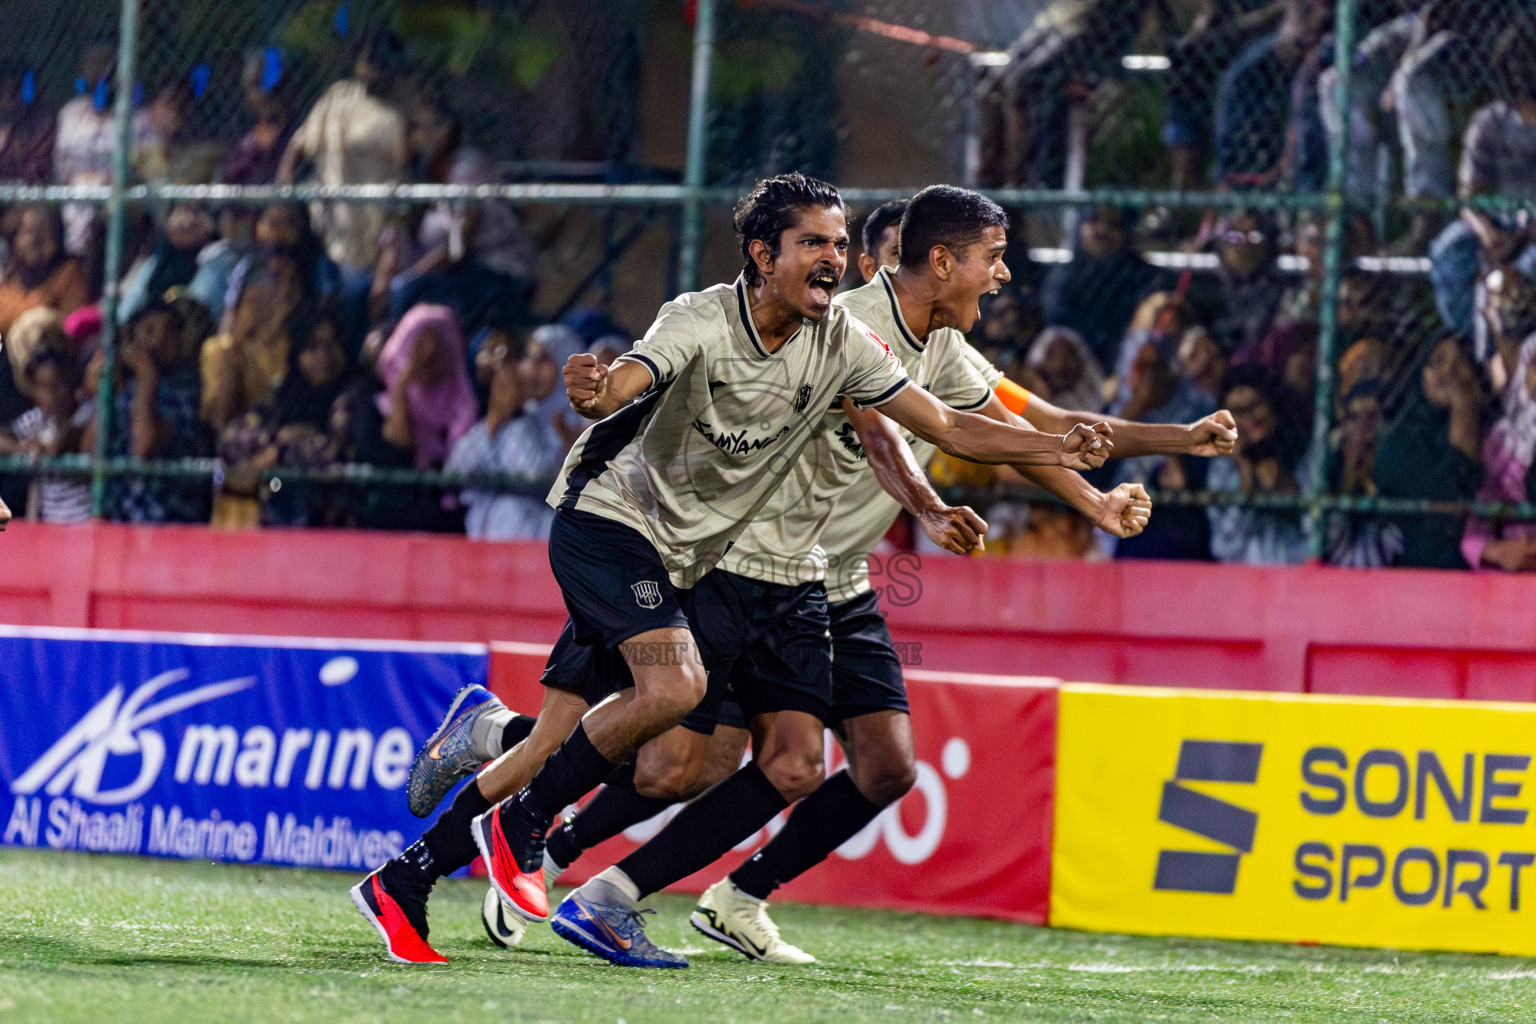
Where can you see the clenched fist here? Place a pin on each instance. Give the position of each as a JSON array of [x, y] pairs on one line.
[[1216, 434], [586, 382], [954, 529], [1085, 447], [1126, 511]]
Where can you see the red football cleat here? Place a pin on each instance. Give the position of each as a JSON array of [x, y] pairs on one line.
[[404, 940], [521, 888]]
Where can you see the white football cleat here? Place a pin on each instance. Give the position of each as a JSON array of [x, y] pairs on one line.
[[728, 915], [505, 928]]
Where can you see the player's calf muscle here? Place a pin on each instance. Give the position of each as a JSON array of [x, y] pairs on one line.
[[672, 766], [881, 758]]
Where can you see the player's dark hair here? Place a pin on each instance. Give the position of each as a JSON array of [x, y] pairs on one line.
[[955, 218], [886, 215], [772, 208]]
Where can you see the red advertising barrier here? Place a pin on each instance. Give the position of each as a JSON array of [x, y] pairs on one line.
[[1344, 631], [974, 835]]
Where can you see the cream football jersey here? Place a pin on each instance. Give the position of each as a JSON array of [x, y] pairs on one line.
[[693, 460], [831, 511]]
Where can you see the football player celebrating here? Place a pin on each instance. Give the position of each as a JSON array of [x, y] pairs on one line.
[[699, 425], [963, 236]]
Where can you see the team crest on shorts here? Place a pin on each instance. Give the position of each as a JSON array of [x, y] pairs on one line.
[[647, 593]]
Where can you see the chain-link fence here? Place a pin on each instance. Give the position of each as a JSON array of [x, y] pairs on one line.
[[1311, 212]]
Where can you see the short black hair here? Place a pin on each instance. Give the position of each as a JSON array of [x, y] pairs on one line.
[[773, 206], [886, 215], [945, 215]]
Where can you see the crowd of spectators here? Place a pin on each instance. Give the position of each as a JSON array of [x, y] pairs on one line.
[[286, 338], [1422, 409], [279, 336], [1433, 397]]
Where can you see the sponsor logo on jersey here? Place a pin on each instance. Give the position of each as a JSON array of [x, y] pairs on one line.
[[849, 439], [737, 443]]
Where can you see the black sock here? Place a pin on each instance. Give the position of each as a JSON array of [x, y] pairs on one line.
[[704, 830], [821, 823], [449, 841], [571, 773], [607, 814], [515, 731]]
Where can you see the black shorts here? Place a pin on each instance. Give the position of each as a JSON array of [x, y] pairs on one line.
[[612, 578], [592, 672], [765, 648], [765, 645], [730, 715], [866, 673]]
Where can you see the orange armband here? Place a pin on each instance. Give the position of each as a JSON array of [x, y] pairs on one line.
[[1013, 397]]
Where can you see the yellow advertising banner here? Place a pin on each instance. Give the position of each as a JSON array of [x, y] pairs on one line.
[[1363, 822]]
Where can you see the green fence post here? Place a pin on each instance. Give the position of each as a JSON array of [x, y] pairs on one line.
[[698, 146], [1337, 207], [112, 270]]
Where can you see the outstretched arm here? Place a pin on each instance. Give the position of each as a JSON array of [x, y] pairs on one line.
[[597, 391], [1213, 435], [1123, 511], [954, 529], [984, 440]]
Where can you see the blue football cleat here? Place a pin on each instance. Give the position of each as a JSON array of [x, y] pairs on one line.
[[449, 755], [616, 934]]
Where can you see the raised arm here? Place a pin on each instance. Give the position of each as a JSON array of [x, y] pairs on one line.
[[954, 529], [597, 391], [1123, 511], [985, 440], [1211, 435]]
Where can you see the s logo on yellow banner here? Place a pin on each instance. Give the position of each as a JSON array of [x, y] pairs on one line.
[[1208, 817], [1295, 818]]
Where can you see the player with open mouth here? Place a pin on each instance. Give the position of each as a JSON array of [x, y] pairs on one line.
[[957, 239], [649, 501]]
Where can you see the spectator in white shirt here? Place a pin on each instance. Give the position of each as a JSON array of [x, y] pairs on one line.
[[509, 440]]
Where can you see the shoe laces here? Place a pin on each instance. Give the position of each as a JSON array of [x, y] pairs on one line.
[[633, 923], [762, 920]]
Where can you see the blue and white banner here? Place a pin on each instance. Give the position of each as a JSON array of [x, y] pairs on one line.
[[218, 748]]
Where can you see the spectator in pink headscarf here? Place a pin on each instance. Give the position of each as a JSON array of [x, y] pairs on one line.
[[1508, 451], [428, 402]]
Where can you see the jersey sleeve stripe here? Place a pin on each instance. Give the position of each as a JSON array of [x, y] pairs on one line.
[[646, 362], [603, 442], [982, 404], [889, 393]]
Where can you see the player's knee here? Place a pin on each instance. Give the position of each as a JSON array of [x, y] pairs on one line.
[[885, 782], [795, 775], [670, 697]]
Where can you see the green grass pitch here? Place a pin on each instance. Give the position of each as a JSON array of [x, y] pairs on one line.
[[99, 939]]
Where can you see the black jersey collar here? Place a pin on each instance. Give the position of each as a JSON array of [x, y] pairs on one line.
[[901, 324], [744, 310]]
